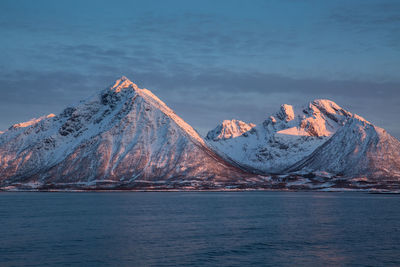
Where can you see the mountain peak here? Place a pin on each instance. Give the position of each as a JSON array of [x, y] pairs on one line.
[[330, 108], [229, 129], [117, 138], [327, 105], [324, 102], [358, 149], [123, 83], [286, 113]]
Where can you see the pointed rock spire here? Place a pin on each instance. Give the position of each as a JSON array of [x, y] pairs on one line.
[[123, 83]]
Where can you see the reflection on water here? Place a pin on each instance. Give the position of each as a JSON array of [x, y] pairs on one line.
[[207, 228]]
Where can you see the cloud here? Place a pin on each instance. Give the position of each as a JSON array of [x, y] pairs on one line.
[[207, 66], [364, 17]]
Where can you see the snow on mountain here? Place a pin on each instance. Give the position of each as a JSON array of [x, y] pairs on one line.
[[122, 136], [125, 137], [229, 129], [358, 149], [283, 139], [32, 121]]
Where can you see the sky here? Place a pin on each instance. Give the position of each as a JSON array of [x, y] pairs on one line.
[[207, 60]]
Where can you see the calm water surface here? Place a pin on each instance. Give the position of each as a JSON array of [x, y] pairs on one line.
[[199, 229]]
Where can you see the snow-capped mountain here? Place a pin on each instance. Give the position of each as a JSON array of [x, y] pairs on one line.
[[123, 136], [358, 149], [285, 138], [229, 129]]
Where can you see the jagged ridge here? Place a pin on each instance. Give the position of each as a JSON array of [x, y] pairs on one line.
[[287, 137]]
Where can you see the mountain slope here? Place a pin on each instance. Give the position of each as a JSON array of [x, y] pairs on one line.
[[358, 149], [284, 138], [120, 137], [125, 137]]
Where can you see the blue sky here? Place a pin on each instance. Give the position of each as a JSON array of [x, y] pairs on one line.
[[208, 60]]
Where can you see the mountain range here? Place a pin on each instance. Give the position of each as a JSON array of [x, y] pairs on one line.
[[126, 138]]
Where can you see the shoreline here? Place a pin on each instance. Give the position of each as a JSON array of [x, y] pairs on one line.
[[325, 190]]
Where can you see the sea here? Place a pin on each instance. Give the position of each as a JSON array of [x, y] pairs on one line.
[[258, 228]]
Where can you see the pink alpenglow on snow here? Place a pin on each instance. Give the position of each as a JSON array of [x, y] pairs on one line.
[[122, 137], [287, 141], [125, 137]]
